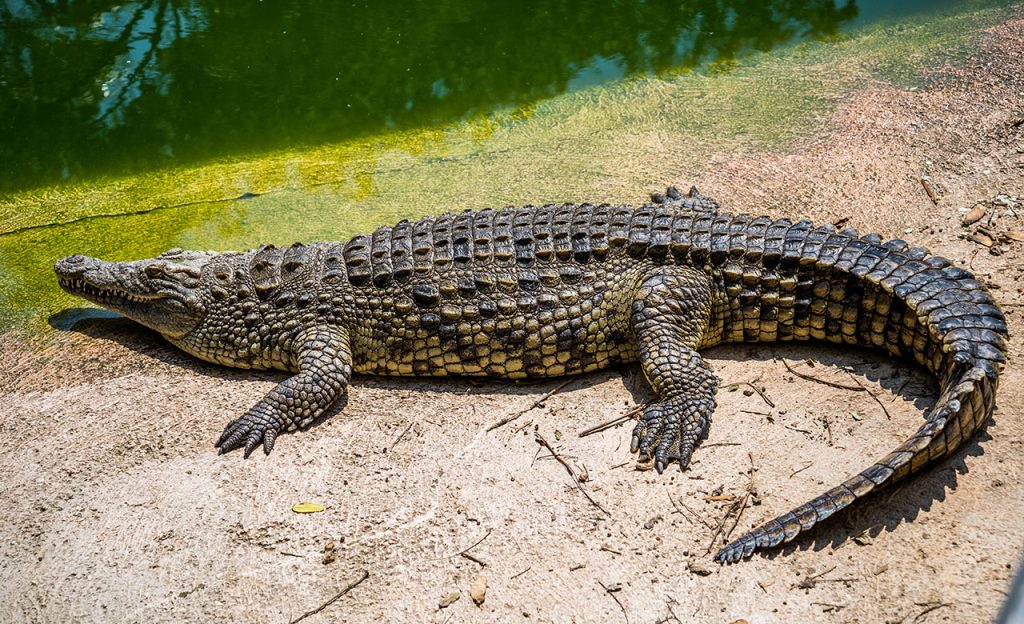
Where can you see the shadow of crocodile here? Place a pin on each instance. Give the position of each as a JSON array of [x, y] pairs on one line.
[[881, 512], [887, 509]]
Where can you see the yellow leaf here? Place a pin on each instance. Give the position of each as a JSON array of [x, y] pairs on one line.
[[307, 508]]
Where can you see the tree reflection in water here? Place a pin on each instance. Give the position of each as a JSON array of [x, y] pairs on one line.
[[87, 90]]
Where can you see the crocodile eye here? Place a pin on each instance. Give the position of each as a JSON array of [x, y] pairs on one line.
[[154, 270]]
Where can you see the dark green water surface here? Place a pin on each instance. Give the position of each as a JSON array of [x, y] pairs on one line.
[[91, 89]]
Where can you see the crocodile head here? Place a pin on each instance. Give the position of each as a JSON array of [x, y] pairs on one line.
[[163, 293]]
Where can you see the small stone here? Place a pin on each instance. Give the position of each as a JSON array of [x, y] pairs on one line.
[[478, 590], [698, 567], [449, 600], [650, 523], [329, 553]]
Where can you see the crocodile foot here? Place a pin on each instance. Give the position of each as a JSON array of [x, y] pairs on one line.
[[669, 431], [255, 427]]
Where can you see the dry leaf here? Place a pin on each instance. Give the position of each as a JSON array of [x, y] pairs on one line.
[[930, 189], [307, 508], [719, 497], [983, 239], [1014, 235], [975, 214]]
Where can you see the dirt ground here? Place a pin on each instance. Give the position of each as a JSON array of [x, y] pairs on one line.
[[116, 507]]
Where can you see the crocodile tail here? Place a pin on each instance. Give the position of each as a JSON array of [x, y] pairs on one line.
[[966, 399], [965, 346]]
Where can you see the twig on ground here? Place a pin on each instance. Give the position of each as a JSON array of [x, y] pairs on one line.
[[676, 505], [538, 403], [929, 607], [871, 394], [518, 574], [823, 381], [761, 394], [611, 592], [668, 603], [899, 392], [479, 562], [733, 508], [753, 469], [809, 581], [737, 508], [735, 386], [572, 473], [465, 552], [365, 575], [829, 606], [739, 514], [522, 426], [618, 420], [721, 525], [476, 543], [400, 436], [796, 472]]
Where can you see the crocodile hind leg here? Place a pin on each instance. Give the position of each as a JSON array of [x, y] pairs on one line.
[[325, 367], [669, 317]]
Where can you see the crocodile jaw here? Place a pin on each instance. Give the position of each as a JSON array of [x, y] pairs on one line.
[[127, 288]]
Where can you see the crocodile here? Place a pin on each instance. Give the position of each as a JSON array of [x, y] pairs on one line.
[[542, 291]]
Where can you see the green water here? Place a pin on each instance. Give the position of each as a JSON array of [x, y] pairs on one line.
[[129, 129], [92, 89]]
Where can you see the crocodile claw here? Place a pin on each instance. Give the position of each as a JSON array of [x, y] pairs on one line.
[[248, 432], [668, 432]]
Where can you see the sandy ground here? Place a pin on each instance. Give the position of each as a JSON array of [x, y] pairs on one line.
[[116, 508]]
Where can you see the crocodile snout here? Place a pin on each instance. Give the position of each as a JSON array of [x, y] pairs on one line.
[[72, 266]]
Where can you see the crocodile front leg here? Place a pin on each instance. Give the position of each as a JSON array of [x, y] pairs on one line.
[[325, 368], [669, 316]]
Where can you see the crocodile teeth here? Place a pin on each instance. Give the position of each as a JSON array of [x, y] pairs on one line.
[[84, 288]]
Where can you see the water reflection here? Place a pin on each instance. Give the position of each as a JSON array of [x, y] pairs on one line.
[[144, 29], [87, 90]]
